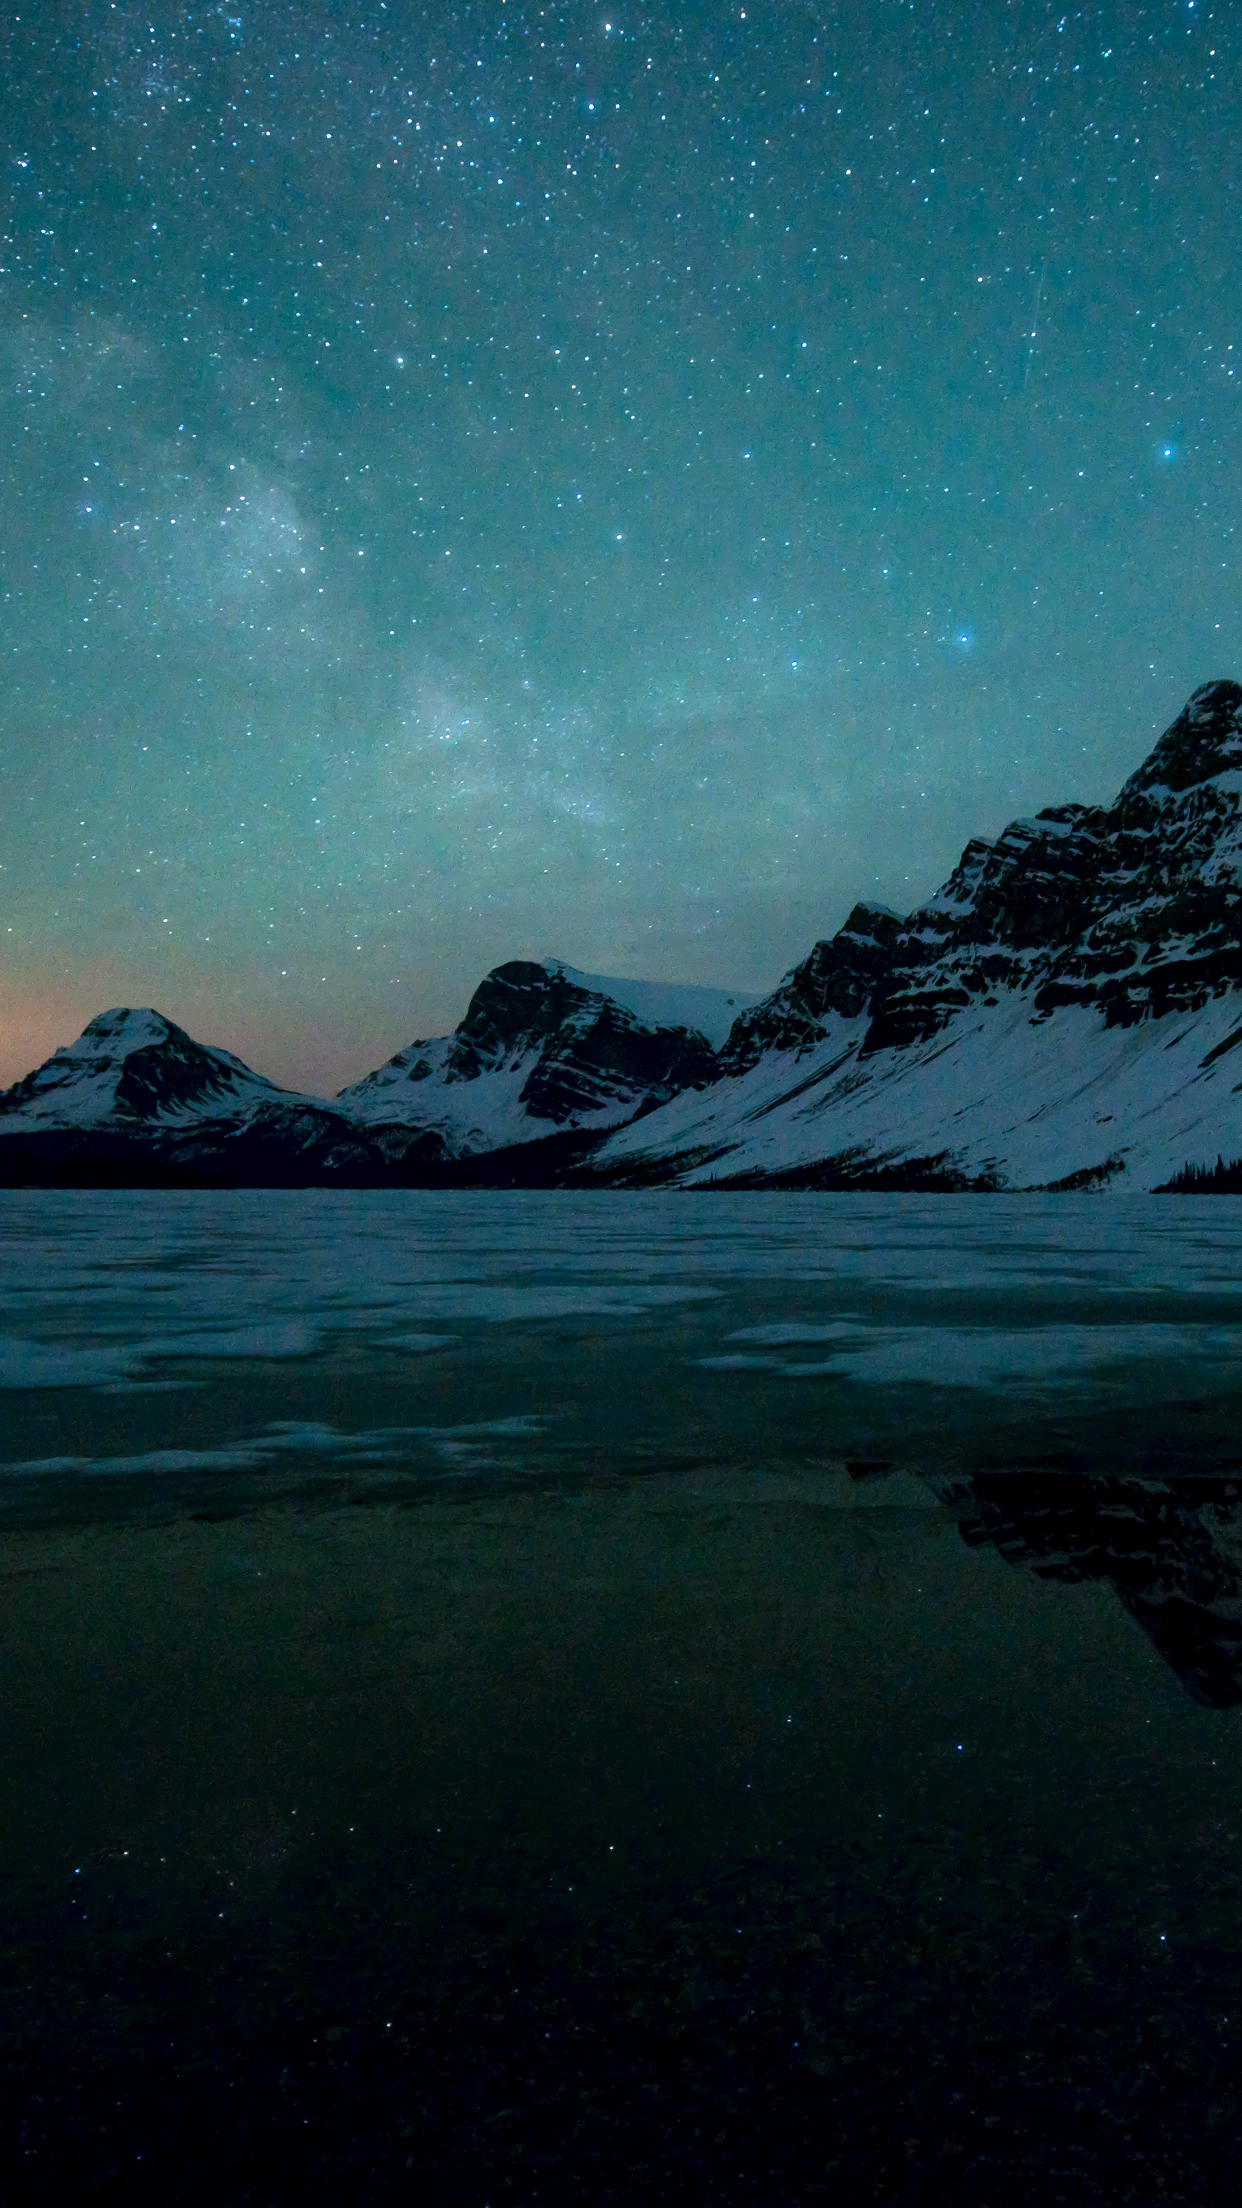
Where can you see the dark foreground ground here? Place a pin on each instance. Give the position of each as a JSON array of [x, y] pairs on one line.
[[688, 1843], [758, 2038]]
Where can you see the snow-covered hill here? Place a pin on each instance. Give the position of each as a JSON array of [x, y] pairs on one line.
[[1065, 1010]]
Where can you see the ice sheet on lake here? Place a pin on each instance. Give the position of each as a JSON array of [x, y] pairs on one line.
[[975, 1357], [133, 1293], [460, 1449], [125, 1365]]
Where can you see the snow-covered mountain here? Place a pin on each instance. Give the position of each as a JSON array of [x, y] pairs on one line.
[[136, 1095], [546, 1059], [543, 1049], [133, 1069], [1064, 1012]]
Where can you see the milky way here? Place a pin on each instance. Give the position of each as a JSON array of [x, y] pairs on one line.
[[617, 482]]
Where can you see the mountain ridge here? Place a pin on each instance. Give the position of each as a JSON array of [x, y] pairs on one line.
[[1081, 971]]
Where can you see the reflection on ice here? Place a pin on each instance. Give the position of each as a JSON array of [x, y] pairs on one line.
[[1172, 1552]]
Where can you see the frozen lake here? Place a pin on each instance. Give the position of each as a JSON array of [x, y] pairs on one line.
[[216, 1338], [739, 1685], [1047, 1369]]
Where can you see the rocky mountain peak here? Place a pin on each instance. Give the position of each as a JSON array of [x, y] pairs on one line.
[[131, 1065], [592, 1053], [839, 975], [1204, 740], [1134, 909], [516, 1006], [121, 1029], [542, 1046]]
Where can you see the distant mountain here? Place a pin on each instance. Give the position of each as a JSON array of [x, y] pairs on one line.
[[136, 1098], [133, 1069], [545, 1062], [1065, 1013], [543, 1049]]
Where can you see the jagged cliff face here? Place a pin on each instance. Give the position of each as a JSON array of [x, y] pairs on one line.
[[840, 976], [536, 1053], [912, 1049], [1134, 909]]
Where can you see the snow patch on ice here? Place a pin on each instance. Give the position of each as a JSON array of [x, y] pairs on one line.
[[458, 1448], [966, 1357]]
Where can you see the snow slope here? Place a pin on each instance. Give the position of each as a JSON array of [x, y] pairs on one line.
[[710, 1012], [1003, 1100]]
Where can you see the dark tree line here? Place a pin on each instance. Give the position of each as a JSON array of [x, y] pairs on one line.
[[1205, 1180]]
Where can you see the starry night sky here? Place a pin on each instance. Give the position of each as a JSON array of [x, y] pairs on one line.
[[613, 481]]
